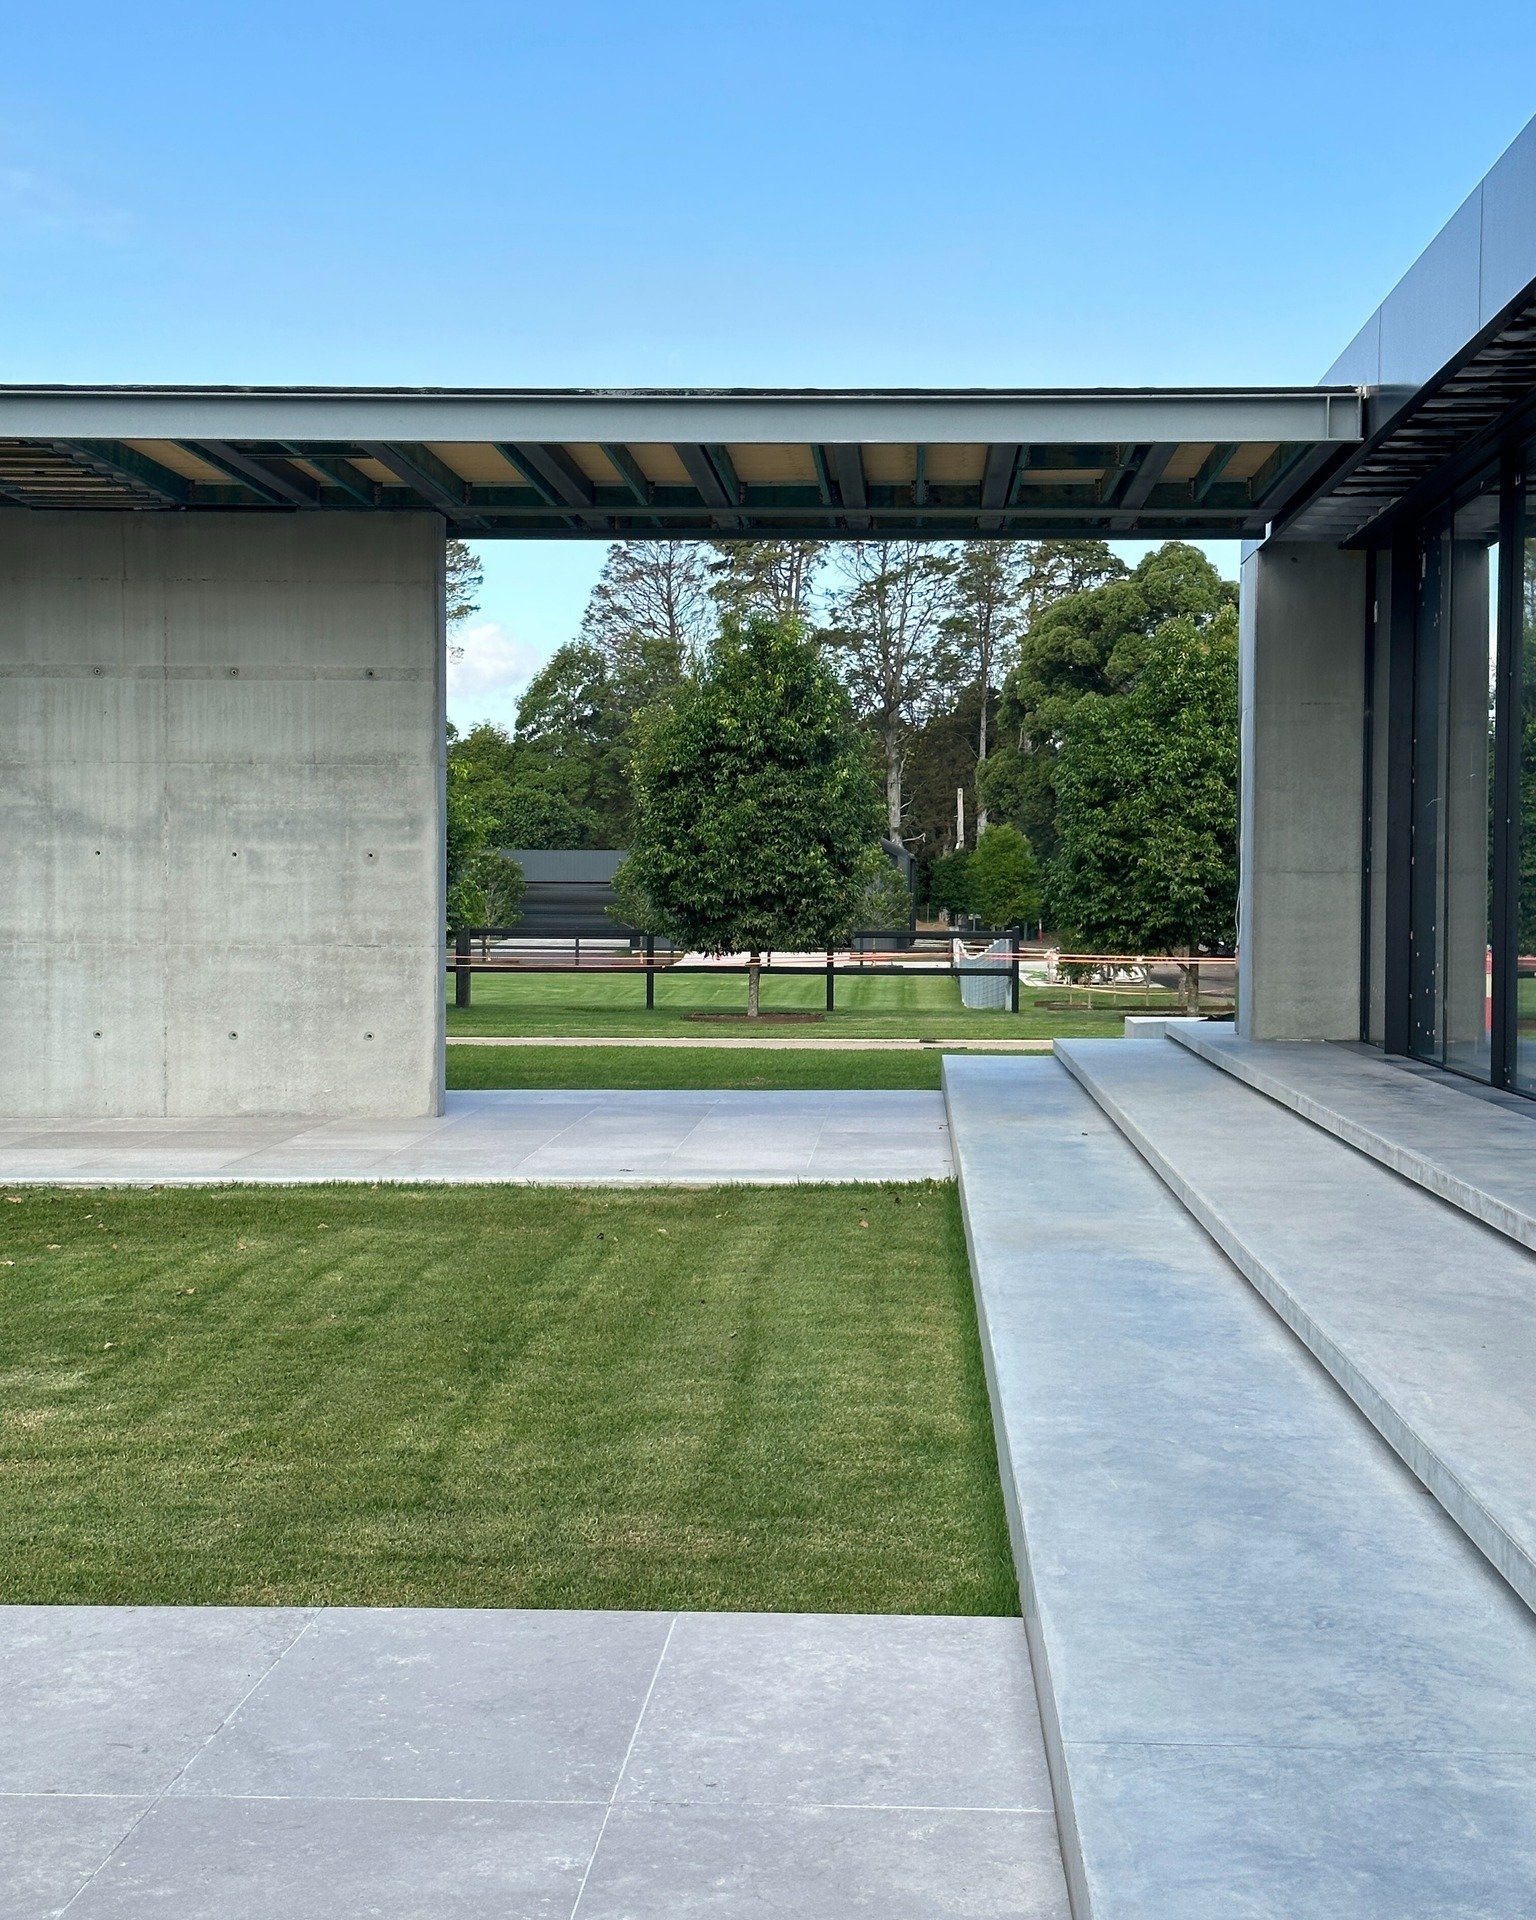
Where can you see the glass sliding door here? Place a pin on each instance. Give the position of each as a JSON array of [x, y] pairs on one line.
[[1426, 913], [1469, 816], [1523, 799], [1454, 841]]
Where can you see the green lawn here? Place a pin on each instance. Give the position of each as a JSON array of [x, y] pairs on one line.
[[688, 1067], [892, 1006], [731, 1398]]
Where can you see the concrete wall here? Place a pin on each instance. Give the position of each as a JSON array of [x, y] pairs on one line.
[[1303, 712], [221, 747]]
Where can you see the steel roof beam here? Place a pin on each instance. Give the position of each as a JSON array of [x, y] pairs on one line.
[[551, 472], [342, 474], [721, 491], [997, 475], [629, 417], [278, 483], [700, 469], [627, 468], [848, 471], [1270, 489], [127, 464], [1145, 475], [1212, 468], [420, 469]]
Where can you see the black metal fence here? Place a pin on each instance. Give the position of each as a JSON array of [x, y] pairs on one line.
[[648, 956]]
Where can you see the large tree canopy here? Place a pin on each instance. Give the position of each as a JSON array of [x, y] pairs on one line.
[[1088, 642], [1146, 783], [484, 890], [756, 801]]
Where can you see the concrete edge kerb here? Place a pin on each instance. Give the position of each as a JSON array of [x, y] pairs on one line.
[[1508, 1558], [1036, 1630], [1400, 1159]]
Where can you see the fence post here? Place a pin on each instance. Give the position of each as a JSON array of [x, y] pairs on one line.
[[461, 973], [831, 984], [1013, 971], [650, 972]]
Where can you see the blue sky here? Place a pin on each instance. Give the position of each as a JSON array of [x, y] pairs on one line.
[[777, 193]]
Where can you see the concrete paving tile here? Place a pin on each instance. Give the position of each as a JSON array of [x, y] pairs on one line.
[[1357, 1261], [119, 1699], [796, 1709], [448, 1703], [32, 1163], [1478, 1155], [770, 1157], [51, 1844], [335, 1859], [1368, 1834], [594, 1137], [804, 1863], [161, 1163]]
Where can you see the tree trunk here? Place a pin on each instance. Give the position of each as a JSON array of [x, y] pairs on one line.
[[893, 789], [754, 984], [981, 761], [1189, 989]]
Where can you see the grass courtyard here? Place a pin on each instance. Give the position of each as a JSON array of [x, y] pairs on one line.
[[791, 1069], [765, 1398], [909, 1007]]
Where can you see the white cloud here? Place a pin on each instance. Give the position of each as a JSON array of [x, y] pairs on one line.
[[491, 659], [487, 679]]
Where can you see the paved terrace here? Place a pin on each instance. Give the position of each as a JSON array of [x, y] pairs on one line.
[[616, 1138], [214, 1763]]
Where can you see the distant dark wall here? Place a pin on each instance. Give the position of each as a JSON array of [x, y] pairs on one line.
[[567, 892]]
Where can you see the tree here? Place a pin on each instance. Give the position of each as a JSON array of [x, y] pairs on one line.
[[484, 889], [1088, 642], [885, 899], [949, 883], [775, 577], [941, 756], [756, 801], [574, 736], [1004, 880], [987, 611], [1146, 784], [465, 579], [517, 791], [651, 614], [887, 620]]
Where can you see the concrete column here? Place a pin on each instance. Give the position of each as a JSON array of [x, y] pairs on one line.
[[1303, 711], [221, 803]]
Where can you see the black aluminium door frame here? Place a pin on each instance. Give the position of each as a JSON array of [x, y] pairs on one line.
[[1426, 909], [1401, 570], [1418, 640], [1507, 726]]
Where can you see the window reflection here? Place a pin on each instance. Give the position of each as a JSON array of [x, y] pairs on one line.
[[1524, 1074], [1468, 762], [1451, 899]]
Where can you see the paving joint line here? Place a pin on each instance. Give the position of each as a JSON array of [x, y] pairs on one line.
[[180, 1774], [623, 1767]]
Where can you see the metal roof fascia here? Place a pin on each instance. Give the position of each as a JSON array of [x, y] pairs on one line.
[[422, 415]]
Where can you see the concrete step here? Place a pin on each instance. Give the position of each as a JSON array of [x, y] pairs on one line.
[[1426, 1318], [1276, 1680], [1475, 1149]]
